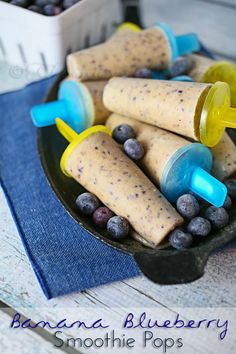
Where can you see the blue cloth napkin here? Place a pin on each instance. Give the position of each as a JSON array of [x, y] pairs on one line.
[[65, 258]]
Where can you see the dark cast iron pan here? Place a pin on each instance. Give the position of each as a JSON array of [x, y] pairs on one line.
[[163, 266]]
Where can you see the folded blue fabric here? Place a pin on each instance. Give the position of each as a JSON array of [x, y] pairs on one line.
[[65, 257]]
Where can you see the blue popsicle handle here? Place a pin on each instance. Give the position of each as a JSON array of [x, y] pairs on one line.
[[45, 114], [187, 43], [207, 187]]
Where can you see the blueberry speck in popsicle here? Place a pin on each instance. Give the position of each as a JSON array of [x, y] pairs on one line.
[[199, 226], [134, 149], [118, 227], [188, 206], [180, 239], [101, 216], [122, 133], [218, 217], [231, 186], [87, 203]]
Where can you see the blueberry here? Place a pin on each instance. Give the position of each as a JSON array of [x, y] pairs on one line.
[[231, 186], [123, 132], [134, 149], [118, 227], [87, 203], [68, 3], [228, 203], [188, 206], [35, 8], [54, 2], [199, 226], [41, 3], [217, 216], [180, 66], [51, 10], [57, 10], [180, 239], [101, 216], [143, 73], [48, 10], [20, 3]]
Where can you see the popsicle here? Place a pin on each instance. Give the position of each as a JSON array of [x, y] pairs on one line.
[[97, 162], [209, 70], [154, 48], [196, 110], [78, 104], [173, 163], [224, 157]]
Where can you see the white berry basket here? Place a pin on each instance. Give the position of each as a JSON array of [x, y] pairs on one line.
[[40, 43]]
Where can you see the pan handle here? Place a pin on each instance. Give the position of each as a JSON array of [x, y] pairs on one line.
[[172, 267]]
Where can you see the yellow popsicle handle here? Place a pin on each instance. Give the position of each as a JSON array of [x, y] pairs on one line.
[[75, 139], [217, 114], [68, 133], [229, 118], [129, 25]]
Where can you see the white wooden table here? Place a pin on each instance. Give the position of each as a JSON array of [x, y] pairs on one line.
[[213, 295]]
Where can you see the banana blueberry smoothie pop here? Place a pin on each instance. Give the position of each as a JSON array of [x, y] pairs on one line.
[[173, 163], [153, 48], [224, 157], [79, 104], [209, 70], [98, 163], [196, 110]]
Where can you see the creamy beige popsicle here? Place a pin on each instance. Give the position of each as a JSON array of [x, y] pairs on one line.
[[99, 165], [200, 65], [148, 48], [209, 70], [224, 157], [174, 164], [174, 106], [154, 140]]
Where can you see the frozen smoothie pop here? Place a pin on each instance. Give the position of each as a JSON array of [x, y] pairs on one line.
[[153, 48], [196, 110], [224, 158], [98, 163], [209, 70], [79, 104], [173, 163]]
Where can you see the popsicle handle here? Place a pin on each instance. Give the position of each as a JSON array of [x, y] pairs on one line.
[[68, 133], [187, 43], [44, 115], [207, 187], [229, 119]]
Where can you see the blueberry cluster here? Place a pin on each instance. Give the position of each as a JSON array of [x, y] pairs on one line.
[[201, 219], [181, 66], [125, 134], [117, 226], [44, 7]]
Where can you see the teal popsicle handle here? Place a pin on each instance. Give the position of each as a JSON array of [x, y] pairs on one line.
[[207, 187], [45, 114], [187, 43]]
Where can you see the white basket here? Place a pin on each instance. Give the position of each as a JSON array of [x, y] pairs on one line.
[[40, 43]]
